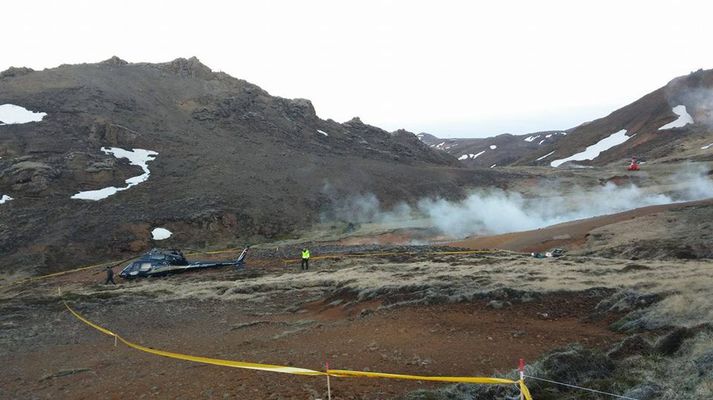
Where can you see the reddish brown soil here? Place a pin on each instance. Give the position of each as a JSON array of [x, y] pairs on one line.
[[457, 339]]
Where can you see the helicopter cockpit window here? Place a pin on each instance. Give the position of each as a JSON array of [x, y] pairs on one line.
[[133, 267]]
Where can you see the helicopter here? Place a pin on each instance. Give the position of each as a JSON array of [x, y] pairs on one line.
[[159, 262]]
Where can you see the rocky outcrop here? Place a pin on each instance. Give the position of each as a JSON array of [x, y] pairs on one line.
[[188, 68], [14, 71], [114, 60]]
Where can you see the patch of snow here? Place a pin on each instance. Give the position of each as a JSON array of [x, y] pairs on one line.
[[531, 138], [322, 132], [683, 118], [439, 145], [493, 166], [470, 156], [562, 133], [545, 156], [548, 136], [5, 198], [493, 147], [541, 141], [593, 151], [98, 194], [138, 157], [11, 114], [160, 234], [706, 147]]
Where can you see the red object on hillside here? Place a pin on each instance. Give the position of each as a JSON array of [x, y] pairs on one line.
[[634, 166]]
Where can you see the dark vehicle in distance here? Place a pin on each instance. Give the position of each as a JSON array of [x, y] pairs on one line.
[[159, 262]]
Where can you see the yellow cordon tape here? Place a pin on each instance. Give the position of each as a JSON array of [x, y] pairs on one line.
[[304, 371], [204, 360], [524, 390], [454, 379]]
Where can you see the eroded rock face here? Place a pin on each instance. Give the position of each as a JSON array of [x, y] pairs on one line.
[[29, 176]]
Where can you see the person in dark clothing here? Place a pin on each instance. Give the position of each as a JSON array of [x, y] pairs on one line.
[[305, 259], [109, 276]]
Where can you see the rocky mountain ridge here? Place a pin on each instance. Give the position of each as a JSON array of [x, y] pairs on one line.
[[234, 164], [654, 129]]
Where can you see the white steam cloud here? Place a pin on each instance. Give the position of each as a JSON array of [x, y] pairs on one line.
[[367, 208], [497, 211]]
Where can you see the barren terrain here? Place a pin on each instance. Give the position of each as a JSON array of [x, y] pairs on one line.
[[415, 312]]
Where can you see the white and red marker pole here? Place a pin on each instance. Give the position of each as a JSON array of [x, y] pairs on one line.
[[521, 368]]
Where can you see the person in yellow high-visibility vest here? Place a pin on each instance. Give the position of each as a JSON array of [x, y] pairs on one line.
[[305, 259]]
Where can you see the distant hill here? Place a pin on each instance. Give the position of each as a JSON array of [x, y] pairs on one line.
[[501, 150], [234, 164], [672, 123]]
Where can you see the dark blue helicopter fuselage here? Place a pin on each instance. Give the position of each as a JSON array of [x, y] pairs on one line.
[[159, 262]]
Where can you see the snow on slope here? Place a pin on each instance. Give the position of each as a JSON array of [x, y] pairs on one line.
[[532, 138], [706, 147], [322, 132], [470, 156], [139, 157], [11, 114], [546, 155], [683, 118], [593, 151], [5, 198], [160, 234]]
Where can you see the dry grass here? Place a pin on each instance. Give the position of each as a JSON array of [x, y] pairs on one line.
[[686, 287]]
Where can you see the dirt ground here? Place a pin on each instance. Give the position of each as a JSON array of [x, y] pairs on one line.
[[50, 354]]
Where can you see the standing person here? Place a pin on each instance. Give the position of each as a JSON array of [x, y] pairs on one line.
[[109, 276], [305, 259]]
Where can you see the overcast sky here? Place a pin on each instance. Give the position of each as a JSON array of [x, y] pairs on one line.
[[451, 68]]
